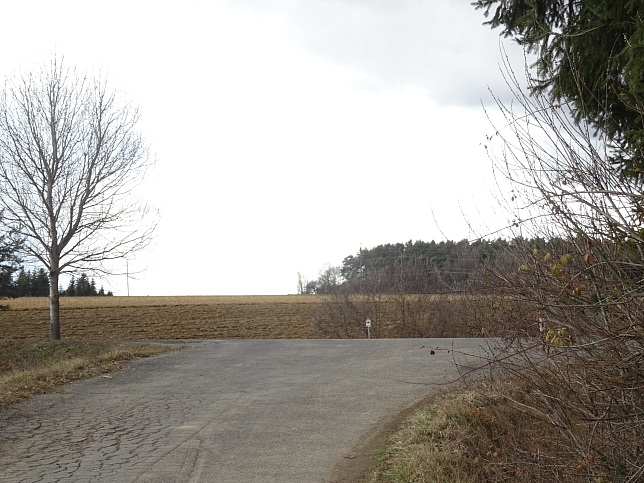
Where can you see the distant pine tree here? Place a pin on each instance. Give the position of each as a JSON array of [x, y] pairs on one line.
[[82, 286], [71, 288], [40, 284], [22, 284]]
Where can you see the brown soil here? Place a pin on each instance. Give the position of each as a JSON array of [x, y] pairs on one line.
[[211, 317]]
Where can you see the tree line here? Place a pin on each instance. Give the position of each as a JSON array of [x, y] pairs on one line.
[[449, 266], [83, 286], [411, 267], [35, 283]]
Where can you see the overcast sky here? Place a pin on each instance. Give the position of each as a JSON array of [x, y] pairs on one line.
[[288, 134]]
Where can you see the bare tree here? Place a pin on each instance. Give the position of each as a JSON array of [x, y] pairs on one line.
[[70, 156], [301, 283]]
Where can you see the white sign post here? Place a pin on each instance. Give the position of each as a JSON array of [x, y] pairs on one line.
[[368, 324]]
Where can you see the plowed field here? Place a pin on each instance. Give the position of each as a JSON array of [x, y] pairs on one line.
[[212, 317]]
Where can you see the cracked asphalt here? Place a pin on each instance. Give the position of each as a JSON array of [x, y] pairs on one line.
[[226, 411]]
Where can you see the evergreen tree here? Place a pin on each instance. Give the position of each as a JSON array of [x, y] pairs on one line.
[[22, 283], [9, 260], [417, 267], [40, 283], [589, 55], [82, 286], [71, 288], [8, 266]]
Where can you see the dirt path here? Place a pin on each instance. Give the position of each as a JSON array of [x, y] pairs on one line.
[[227, 411]]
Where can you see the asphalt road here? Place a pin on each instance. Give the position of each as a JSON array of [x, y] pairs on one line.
[[227, 411]]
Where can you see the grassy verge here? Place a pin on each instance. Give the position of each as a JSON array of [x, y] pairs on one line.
[[30, 367], [473, 434]]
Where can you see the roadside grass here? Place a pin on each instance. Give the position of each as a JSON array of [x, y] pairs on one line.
[[29, 367], [473, 434]]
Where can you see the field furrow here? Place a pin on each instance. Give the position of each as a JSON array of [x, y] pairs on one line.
[[214, 317]]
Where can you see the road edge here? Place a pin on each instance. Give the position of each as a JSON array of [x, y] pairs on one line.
[[356, 465]]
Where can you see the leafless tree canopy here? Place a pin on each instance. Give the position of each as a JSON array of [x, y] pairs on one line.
[[70, 156]]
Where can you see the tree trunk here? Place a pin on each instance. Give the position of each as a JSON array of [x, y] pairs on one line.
[[54, 307]]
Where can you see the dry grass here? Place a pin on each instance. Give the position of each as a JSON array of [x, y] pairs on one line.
[[452, 440], [483, 433], [207, 317], [30, 367]]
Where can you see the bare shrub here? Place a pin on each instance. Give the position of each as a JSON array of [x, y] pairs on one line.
[[342, 315], [583, 283]]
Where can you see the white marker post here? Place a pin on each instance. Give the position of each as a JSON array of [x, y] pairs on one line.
[[368, 324]]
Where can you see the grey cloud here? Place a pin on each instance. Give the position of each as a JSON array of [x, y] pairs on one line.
[[439, 46]]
